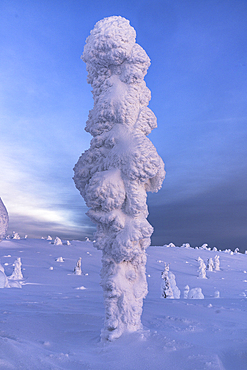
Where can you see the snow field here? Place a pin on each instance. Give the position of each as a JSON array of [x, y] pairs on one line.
[[54, 321]]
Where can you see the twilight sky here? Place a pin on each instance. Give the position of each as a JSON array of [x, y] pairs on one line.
[[198, 81]]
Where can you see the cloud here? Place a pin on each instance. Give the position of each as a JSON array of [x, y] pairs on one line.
[[217, 217]]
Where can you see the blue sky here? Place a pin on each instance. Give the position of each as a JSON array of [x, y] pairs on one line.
[[198, 81]]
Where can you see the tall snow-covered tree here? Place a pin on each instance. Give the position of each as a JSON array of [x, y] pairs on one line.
[[120, 166], [4, 220]]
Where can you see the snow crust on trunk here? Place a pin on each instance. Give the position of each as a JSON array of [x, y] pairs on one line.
[[120, 166], [4, 220]]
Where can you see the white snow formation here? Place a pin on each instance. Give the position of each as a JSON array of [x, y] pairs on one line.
[[15, 236], [217, 263], [57, 241], [4, 220], [169, 287], [202, 269], [210, 264], [17, 273], [166, 289], [77, 269], [59, 259], [195, 293], [120, 166], [186, 291]]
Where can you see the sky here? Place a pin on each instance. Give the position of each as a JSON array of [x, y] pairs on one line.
[[198, 81]]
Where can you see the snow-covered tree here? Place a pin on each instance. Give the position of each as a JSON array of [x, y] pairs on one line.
[[202, 269], [210, 264], [166, 288], [17, 273], [15, 236], [217, 263], [169, 282], [195, 293], [77, 269], [4, 220], [186, 291], [120, 166], [58, 241]]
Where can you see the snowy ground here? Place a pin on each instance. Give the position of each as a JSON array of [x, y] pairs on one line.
[[53, 322]]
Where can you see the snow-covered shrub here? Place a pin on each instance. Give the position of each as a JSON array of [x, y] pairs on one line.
[[169, 287], [176, 291], [185, 245], [68, 242], [217, 263], [186, 291], [216, 294], [4, 220], [195, 293], [49, 237], [77, 269], [17, 273], [210, 264], [166, 289], [120, 166], [59, 259], [57, 241], [202, 269], [15, 235]]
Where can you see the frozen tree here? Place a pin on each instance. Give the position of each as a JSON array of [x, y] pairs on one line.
[[195, 293], [15, 236], [77, 269], [120, 166], [210, 264], [186, 291], [216, 294], [58, 241], [166, 289], [202, 269], [175, 290], [17, 274], [4, 220], [217, 263]]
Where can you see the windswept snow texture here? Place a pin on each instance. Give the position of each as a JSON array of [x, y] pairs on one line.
[[4, 220], [121, 165], [54, 321]]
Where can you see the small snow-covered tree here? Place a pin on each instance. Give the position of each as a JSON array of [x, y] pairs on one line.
[[77, 269], [17, 273], [217, 263], [57, 241], [186, 291], [169, 287], [166, 289], [210, 264], [202, 269], [120, 166], [195, 293]]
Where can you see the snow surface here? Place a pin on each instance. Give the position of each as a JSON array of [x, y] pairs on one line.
[[54, 321]]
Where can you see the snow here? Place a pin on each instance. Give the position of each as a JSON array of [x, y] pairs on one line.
[[54, 321], [120, 166]]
